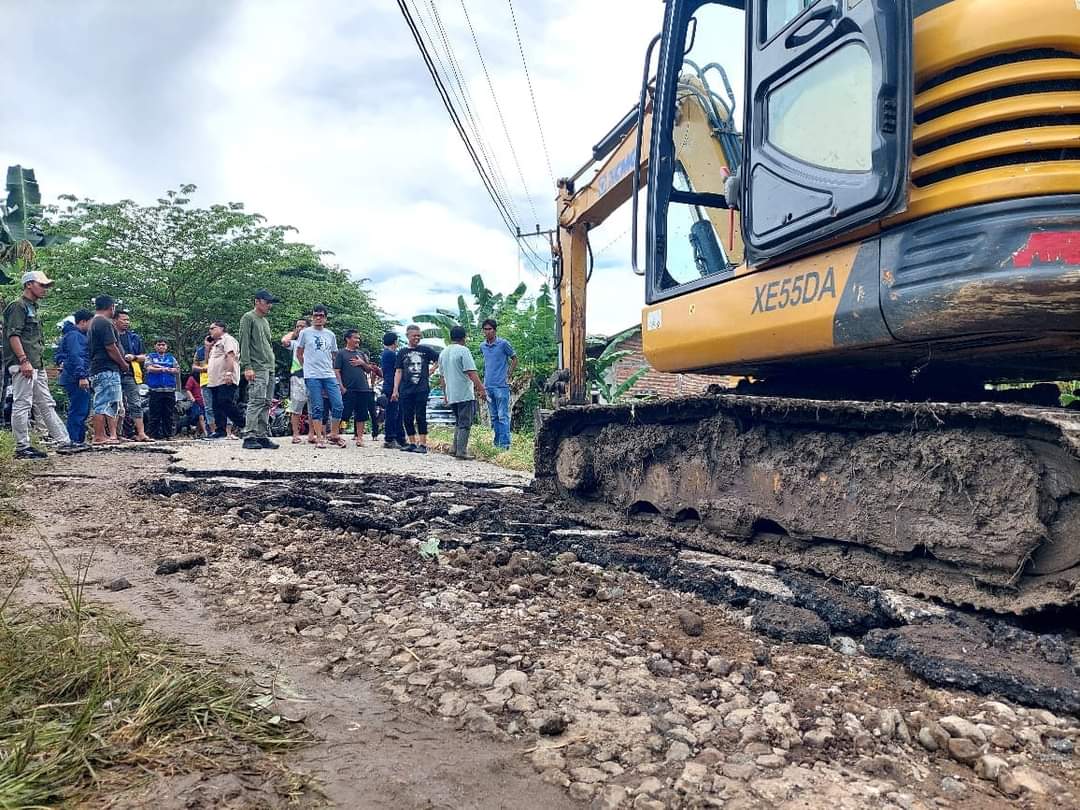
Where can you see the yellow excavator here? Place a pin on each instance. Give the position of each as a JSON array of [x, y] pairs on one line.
[[894, 227]]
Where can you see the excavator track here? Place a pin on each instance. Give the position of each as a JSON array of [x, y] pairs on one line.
[[976, 505]]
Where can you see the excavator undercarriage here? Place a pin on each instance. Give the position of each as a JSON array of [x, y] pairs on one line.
[[972, 504]]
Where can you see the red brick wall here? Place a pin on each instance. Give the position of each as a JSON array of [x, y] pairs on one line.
[[659, 383]]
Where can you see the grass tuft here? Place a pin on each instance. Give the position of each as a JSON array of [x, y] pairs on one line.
[[12, 473], [89, 702], [518, 457]]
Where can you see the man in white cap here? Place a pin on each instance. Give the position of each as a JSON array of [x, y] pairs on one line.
[[24, 349]]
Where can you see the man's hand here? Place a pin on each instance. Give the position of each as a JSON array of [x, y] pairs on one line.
[[481, 392], [249, 375], [355, 361], [129, 357], [394, 396], [26, 369], [84, 384]]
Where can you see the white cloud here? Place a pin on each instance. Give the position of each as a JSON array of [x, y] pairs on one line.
[[328, 121]]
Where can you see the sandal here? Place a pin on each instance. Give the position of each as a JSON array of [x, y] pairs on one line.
[[320, 444], [297, 439], [337, 441]]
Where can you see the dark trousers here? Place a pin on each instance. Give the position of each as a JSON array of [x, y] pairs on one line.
[[414, 412], [161, 418], [225, 407], [393, 427], [78, 410], [361, 406]]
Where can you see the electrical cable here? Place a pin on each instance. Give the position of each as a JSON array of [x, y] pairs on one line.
[[498, 110], [532, 95], [444, 96]]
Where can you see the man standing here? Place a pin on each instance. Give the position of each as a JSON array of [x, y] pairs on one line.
[[24, 348], [462, 387], [297, 389], [200, 366], [162, 372], [315, 350], [223, 371], [412, 387], [132, 346], [75, 373], [500, 361], [257, 362], [393, 427], [352, 366], [106, 364]]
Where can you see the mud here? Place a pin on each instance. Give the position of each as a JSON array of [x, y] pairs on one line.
[[952, 494]]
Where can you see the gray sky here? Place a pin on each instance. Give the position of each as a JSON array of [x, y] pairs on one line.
[[321, 115]]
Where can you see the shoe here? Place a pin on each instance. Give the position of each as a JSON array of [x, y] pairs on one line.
[[267, 444], [30, 453], [421, 449], [214, 436], [403, 445], [408, 448], [390, 445], [252, 443], [68, 448], [464, 456]]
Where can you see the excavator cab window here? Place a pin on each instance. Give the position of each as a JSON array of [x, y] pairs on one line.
[[826, 135]]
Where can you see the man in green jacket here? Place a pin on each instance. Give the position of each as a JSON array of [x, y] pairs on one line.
[[23, 356], [257, 365]]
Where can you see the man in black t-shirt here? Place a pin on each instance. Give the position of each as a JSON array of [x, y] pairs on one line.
[[411, 387], [106, 364], [352, 366]]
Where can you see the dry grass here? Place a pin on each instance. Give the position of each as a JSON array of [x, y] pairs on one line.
[[90, 703]]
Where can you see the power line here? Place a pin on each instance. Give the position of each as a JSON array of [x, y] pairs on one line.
[[498, 110], [444, 96], [499, 180], [532, 95]]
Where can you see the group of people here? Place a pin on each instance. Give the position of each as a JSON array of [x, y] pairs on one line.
[[100, 355]]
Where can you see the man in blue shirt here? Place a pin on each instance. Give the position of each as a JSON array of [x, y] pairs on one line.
[[500, 361], [161, 373], [394, 427]]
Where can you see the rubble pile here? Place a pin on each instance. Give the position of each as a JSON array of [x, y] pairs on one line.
[[470, 603]]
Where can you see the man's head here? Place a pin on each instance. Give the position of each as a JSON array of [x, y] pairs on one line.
[[301, 323], [352, 339], [217, 329], [318, 315], [36, 285], [458, 334], [263, 301], [389, 340], [123, 320], [104, 305], [413, 335], [82, 318], [489, 326], [161, 346]]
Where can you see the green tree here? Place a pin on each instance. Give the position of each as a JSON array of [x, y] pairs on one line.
[[177, 267], [527, 322], [599, 371]]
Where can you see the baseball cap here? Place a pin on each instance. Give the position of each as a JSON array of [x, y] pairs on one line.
[[38, 276], [266, 295]]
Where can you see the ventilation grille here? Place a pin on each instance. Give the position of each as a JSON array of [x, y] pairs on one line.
[[1017, 109]]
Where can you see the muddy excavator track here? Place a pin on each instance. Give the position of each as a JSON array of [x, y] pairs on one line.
[[976, 505]]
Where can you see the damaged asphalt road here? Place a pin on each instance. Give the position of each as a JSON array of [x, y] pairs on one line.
[[631, 673]]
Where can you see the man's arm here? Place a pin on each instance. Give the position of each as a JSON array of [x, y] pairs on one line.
[[513, 367], [245, 343], [397, 384], [478, 386], [116, 356], [288, 338]]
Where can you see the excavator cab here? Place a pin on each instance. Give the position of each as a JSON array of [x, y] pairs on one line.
[[826, 125]]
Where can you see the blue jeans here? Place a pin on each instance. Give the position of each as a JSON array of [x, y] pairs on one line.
[[499, 405], [78, 410], [315, 389], [394, 428]]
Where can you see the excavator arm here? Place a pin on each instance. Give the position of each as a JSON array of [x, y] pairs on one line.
[[705, 129]]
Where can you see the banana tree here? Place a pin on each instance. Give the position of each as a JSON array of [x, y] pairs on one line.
[[20, 236], [599, 371]]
